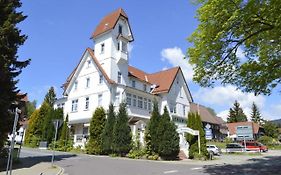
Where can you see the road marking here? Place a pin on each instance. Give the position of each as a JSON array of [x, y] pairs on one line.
[[170, 172], [196, 168]]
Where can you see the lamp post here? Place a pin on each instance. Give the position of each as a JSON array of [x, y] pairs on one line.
[[11, 150], [57, 123]]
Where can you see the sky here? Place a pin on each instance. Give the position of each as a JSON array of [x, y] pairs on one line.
[[59, 32]]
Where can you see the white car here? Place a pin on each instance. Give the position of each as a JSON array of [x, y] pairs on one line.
[[214, 149]]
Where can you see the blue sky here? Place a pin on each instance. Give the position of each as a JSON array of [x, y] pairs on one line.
[[59, 32]]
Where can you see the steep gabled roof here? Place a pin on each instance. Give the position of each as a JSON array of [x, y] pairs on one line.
[[92, 54], [109, 22], [205, 114], [137, 73]]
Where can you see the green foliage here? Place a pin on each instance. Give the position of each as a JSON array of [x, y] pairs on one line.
[[107, 134], [270, 129], [255, 114], [236, 114], [50, 97], [136, 153], [121, 132], [46, 125], [168, 146], [194, 122], [227, 28], [266, 140], [94, 145], [65, 143], [30, 107], [10, 67], [151, 132], [33, 130]]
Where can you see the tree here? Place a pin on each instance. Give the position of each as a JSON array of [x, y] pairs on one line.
[[94, 146], [271, 129], [50, 97], [151, 133], [10, 67], [107, 134], [121, 132], [30, 107], [46, 124], [255, 115], [236, 114], [194, 122], [64, 136], [33, 131], [230, 28], [168, 146]]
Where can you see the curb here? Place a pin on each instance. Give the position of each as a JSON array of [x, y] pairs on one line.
[[61, 171]]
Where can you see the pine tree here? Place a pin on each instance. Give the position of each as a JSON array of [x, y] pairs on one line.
[[10, 67], [94, 146], [107, 134], [121, 132], [50, 97], [168, 147], [236, 114], [255, 114], [151, 133], [46, 124]]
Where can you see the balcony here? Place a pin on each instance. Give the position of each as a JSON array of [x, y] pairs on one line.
[[122, 56]]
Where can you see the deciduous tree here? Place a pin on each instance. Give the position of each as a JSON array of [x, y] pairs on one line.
[[230, 28]]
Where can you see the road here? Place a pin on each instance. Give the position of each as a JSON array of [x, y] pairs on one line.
[[73, 164]]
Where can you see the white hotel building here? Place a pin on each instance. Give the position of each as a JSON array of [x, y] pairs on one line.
[[104, 76]]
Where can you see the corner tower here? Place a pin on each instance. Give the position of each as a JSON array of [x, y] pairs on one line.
[[111, 38]]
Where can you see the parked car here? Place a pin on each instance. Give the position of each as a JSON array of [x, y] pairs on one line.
[[214, 149], [255, 146], [234, 147]]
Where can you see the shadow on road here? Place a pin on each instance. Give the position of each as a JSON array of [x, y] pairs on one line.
[[27, 162], [270, 165]]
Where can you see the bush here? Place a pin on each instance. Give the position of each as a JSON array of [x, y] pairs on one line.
[[266, 140], [33, 141], [136, 154], [153, 157]]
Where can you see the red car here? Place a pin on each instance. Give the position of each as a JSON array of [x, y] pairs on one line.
[[255, 146]]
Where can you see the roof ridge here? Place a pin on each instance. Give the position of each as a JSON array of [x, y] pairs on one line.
[[177, 67]]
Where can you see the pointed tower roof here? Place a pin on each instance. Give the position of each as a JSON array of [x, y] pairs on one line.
[[109, 22]]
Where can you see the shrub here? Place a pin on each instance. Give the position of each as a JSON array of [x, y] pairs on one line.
[[266, 140], [136, 154]]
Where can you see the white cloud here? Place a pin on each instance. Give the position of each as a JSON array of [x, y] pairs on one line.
[[175, 57]]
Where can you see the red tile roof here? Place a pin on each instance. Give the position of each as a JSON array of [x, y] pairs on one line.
[[163, 79], [205, 114], [109, 22], [232, 127]]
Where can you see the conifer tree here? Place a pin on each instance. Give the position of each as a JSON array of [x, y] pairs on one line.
[[94, 146], [10, 67], [50, 97], [121, 132], [168, 147], [107, 134], [255, 114], [46, 124], [32, 134], [151, 133], [236, 114]]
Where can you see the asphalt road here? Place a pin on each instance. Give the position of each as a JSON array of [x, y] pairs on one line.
[[269, 163]]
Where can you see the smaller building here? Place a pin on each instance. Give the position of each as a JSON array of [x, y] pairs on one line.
[[257, 130]]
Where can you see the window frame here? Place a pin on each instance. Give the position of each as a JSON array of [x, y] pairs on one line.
[[87, 103]]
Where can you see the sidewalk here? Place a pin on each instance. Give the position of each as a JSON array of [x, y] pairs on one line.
[[42, 168]]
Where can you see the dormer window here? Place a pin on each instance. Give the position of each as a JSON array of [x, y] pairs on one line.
[[102, 48], [120, 29]]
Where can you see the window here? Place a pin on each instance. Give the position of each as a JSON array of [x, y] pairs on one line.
[[144, 87], [119, 77], [88, 63], [145, 103], [140, 105], [149, 105], [183, 110], [133, 83], [85, 130], [173, 109], [100, 79], [86, 103], [120, 29], [129, 99], [62, 106], [75, 85], [74, 106], [102, 48], [100, 100], [118, 45], [134, 100], [124, 47], [87, 82]]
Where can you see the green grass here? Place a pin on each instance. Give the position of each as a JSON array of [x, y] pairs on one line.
[[218, 144], [274, 147]]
